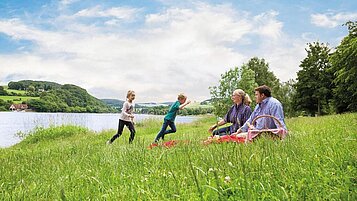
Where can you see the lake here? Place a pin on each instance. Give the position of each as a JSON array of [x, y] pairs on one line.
[[14, 122]]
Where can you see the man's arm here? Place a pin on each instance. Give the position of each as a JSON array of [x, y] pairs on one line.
[[277, 111]]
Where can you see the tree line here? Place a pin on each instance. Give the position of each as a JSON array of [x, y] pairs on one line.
[[326, 82]]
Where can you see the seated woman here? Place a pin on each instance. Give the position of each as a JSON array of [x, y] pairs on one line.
[[237, 115]]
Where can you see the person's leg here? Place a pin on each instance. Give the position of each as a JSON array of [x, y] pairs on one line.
[[172, 129], [221, 131], [119, 132], [162, 131], [131, 128]]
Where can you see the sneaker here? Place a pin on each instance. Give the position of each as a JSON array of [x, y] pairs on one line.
[[109, 142]]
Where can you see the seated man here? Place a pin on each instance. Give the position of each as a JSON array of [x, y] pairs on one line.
[[266, 105]]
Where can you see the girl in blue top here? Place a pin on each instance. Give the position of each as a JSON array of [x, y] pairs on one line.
[[169, 119]]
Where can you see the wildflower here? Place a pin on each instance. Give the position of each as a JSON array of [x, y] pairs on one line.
[[227, 179], [230, 164], [210, 170]]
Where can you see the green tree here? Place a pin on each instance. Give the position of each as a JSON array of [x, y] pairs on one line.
[[221, 94], [243, 78], [344, 67], [3, 92], [247, 82], [263, 76], [313, 87], [262, 73], [287, 93], [31, 88], [5, 105]]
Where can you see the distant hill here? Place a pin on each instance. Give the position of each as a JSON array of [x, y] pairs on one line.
[[119, 103], [152, 104], [53, 97], [206, 102], [114, 103], [37, 85]]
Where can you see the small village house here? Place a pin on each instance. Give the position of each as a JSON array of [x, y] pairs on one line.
[[18, 107]]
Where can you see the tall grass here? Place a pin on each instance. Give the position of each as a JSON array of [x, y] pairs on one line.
[[316, 162]]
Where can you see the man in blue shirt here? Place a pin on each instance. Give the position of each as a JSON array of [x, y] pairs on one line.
[[266, 105]]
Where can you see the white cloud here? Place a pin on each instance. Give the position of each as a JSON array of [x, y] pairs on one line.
[[175, 50], [116, 12], [267, 25], [330, 20], [67, 2]]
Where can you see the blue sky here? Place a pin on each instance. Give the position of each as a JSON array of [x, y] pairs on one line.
[[159, 48]]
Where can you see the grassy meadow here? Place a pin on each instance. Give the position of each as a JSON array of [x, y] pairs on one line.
[[316, 162], [17, 99]]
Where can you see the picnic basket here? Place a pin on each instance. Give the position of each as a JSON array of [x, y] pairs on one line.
[[278, 132]]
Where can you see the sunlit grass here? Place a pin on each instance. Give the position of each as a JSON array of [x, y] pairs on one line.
[[17, 99], [316, 162], [22, 92]]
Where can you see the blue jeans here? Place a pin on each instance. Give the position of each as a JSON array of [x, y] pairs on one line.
[[163, 130]]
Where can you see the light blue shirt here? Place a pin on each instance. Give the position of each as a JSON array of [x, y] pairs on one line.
[[269, 106]]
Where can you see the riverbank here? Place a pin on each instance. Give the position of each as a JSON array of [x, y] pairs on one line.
[[13, 124], [317, 161]]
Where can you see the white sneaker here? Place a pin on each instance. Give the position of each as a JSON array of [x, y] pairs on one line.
[[108, 142]]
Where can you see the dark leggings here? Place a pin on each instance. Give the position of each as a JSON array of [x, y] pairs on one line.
[[222, 131], [129, 125]]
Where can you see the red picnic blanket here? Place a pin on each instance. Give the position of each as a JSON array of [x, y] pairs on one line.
[[167, 144], [225, 138]]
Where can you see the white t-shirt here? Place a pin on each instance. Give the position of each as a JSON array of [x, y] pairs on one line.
[[126, 111]]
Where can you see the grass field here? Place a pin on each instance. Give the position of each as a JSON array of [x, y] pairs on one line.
[[18, 99], [22, 92], [316, 162]]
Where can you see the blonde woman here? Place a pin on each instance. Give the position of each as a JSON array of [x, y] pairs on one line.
[[126, 118], [237, 115]]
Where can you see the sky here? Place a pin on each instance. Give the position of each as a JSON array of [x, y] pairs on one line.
[[160, 48]]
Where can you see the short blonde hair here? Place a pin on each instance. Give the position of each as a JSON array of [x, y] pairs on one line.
[[181, 96], [130, 92]]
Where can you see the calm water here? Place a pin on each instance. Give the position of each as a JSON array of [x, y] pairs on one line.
[[14, 122]]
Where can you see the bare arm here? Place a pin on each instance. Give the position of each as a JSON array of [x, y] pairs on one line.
[[183, 105], [220, 123]]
